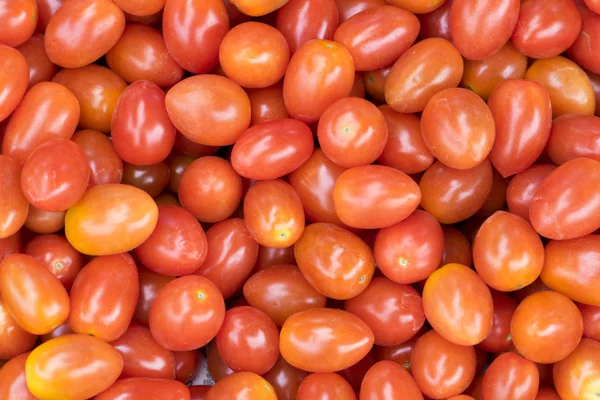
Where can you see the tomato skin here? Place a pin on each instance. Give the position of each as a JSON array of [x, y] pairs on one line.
[[267, 104], [43, 222], [196, 106], [285, 379], [193, 32], [198, 392], [242, 385], [324, 386], [80, 32], [93, 228], [448, 293], [151, 284], [13, 204], [14, 78], [374, 83], [46, 9], [573, 136], [14, 340], [336, 262], [19, 22], [571, 268], [499, 339], [575, 376], [143, 388], [387, 378], [595, 81], [585, 48], [319, 73], [392, 31], [546, 393], [40, 67], [202, 313], [54, 369], [11, 244], [441, 368], [553, 213], [12, 379], [374, 196], [105, 164], [511, 376], [591, 321], [523, 186], [215, 364], [303, 345], [152, 179], [436, 23], [272, 149], [47, 111]]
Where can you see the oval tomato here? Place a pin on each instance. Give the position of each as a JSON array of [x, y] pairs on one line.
[[585, 49], [285, 379], [325, 385], [435, 23], [152, 178], [151, 284], [573, 136], [511, 376], [13, 204], [143, 388], [243, 385], [575, 377], [522, 187], [14, 78], [499, 339], [387, 379], [105, 164], [216, 366], [133, 7], [43, 222], [267, 104], [40, 67], [19, 21], [12, 379], [14, 340], [457, 249], [591, 321]]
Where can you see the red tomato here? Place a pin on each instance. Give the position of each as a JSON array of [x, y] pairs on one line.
[[147, 7], [391, 31], [110, 219], [417, 6], [152, 179], [499, 339], [144, 388], [11, 244], [458, 305], [285, 379], [13, 204], [546, 393], [216, 366], [388, 380], [80, 32], [105, 164], [46, 9], [575, 377], [436, 23], [511, 376], [14, 340], [151, 284], [374, 82], [573, 136], [349, 8], [591, 321], [243, 385], [334, 261], [523, 186], [193, 32], [190, 148], [199, 316], [14, 78], [319, 73], [585, 49], [325, 386], [40, 67], [457, 249], [267, 104], [271, 256], [42, 222], [12, 379], [565, 205], [595, 81], [198, 392], [324, 340], [186, 365], [19, 19]]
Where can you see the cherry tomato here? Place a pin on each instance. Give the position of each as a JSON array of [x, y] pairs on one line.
[[523, 186], [147, 7], [325, 386], [585, 49], [48, 111], [336, 262], [573, 136], [271, 256], [436, 23], [544, 312], [448, 293], [511, 376], [496, 199], [13, 204], [42, 222], [143, 388], [352, 132], [575, 377], [12, 380], [349, 8], [591, 321], [215, 364], [457, 249], [387, 379], [200, 314], [267, 104], [374, 83], [14, 340], [152, 178], [595, 81], [324, 340], [40, 67], [565, 205], [319, 73], [46, 9], [243, 385], [19, 20], [499, 339], [285, 379], [186, 365], [105, 164], [425, 69], [441, 368], [11, 244], [14, 78], [190, 148], [151, 284], [80, 32]]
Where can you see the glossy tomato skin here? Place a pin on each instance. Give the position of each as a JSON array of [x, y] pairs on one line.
[[523, 115], [441, 368], [387, 378], [575, 376], [510, 376], [490, 27], [242, 385], [19, 22], [215, 364], [93, 228], [410, 84], [152, 178], [53, 184], [151, 284], [47, 111], [573, 136], [336, 262], [522, 187], [143, 388], [410, 250], [201, 105], [12, 379], [140, 9], [591, 321], [319, 73], [191, 148], [570, 268], [374, 82], [499, 339], [595, 81], [46, 9], [14, 78], [285, 379], [202, 313], [585, 49], [14, 339], [55, 369], [193, 32], [303, 344], [105, 164], [186, 365], [80, 32], [457, 249], [42, 222], [272, 149], [349, 8], [11, 244], [573, 183], [540, 313], [392, 31], [267, 104], [14, 206], [40, 67], [448, 292], [374, 196], [325, 385]]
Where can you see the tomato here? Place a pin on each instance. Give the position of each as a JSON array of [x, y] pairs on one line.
[[458, 128], [453, 195], [281, 291], [201, 105], [110, 219], [40, 67], [349, 8], [267, 104], [57, 255], [40, 221], [193, 32], [387, 379], [152, 178], [48, 111], [215, 364], [374, 196], [511, 376], [325, 386], [13, 204], [190, 148], [324, 340], [80, 32], [198, 392], [576, 377], [523, 186], [355, 374], [437, 22], [499, 339], [457, 249], [11, 244], [448, 293], [150, 284], [490, 26], [285, 379], [14, 78], [374, 83], [186, 365], [595, 81], [46, 9], [565, 205], [400, 353], [336, 262], [97, 89], [200, 314], [567, 84], [147, 7], [391, 31], [544, 312], [441, 368], [272, 149], [591, 321], [573, 136], [243, 385], [319, 73], [143, 388], [19, 20], [14, 340], [352, 132], [546, 393], [105, 164], [12, 380], [585, 49], [272, 256]]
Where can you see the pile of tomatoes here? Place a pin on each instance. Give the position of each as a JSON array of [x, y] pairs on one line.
[[316, 199]]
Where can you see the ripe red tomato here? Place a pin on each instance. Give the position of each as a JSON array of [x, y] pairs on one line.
[[323, 386], [151, 284], [511, 376], [387, 379], [522, 187], [216, 366], [14, 340], [417, 6], [40, 67], [143, 388], [19, 20], [499, 339], [12, 379], [573, 136], [243, 385], [585, 49], [105, 164], [13, 204], [457, 249], [11, 244], [436, 23], [14, 78], [591, 321], [267, 104], [152, 178], [43, 222], [186, 365], [285, 379], [575, 376]]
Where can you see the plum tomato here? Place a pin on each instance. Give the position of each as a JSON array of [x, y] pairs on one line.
[[436, 23], [42, 222], [595, 81], [134, 7], [374, 83], [152, 178], [267, 104], [576, 377], [191, 148], [14, 206], [448, 293], [14, 340], [389, 380], [13, 383], [499, 339], [215, 365], [46, 9], [349, 8], [242, 385], [591, 321], [19, 19], [110, 219], [457, 249], [574, 136], [14, 78], [522, 187], [285, 379], [324, 386], [144, 388], [41, 69], [151, 284], [510, 376], [585, 49], [105, 164], [186, 365], [11, 244]]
